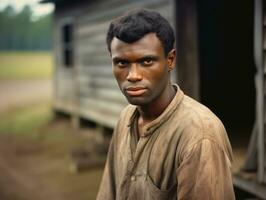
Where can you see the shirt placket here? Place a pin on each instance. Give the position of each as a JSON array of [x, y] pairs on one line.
[[136, 150]]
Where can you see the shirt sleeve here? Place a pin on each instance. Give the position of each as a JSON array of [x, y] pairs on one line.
[[205, 173], [107, 189]]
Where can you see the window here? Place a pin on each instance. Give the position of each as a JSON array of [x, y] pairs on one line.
[[67, 44]]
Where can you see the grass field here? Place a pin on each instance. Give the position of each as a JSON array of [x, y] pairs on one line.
[[25, 65], [26, 121]]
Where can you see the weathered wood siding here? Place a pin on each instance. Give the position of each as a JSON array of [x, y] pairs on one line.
[[260, 60], [99, 98], [263, 137], [64, 77]]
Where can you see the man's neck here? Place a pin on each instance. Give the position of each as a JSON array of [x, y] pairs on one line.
[[150, 112]]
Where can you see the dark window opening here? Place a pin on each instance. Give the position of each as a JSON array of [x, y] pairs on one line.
[[68, 33], [67, 41], [68, 58]]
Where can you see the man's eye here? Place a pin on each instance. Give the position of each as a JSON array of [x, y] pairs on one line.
[[121, 63], [147, 62]]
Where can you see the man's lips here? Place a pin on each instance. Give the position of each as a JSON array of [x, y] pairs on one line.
[[135, 91]]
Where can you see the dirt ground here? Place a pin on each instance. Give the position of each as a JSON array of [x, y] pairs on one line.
[[37, 169], [16, 93]]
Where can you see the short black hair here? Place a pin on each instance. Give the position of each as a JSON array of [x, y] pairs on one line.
[[134, 24]]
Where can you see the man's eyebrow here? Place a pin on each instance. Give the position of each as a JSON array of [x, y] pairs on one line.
[[143, 58], [117, 59], [148, 57]]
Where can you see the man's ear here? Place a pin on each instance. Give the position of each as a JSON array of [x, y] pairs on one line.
[[171, 59]]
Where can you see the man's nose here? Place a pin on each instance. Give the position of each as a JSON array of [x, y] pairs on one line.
[[134, 73]]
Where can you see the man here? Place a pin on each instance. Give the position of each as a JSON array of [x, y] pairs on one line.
[[165, 145]]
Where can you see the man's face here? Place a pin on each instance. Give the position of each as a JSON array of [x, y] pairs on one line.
[[141, 68]]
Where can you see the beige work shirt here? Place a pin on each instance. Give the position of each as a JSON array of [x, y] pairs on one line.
[[184, 154]]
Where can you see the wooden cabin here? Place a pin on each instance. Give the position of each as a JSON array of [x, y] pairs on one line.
[[220, 62]]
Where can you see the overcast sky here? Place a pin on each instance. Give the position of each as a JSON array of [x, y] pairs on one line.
[[37, 8]]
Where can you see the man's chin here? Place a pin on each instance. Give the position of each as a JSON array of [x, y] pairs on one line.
[[137, 101]]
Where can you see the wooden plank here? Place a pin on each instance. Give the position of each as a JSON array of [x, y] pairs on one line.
[[107, 95], [102, 113], [94, 47], [119, 7], [102, 106], [103, 118], [85, 62], [98, 46], [264, 78], [258, 54], [88, 60], [99, 38], [264, 160], [103, 70], [264, 36], [108, 82], [264, 65], [63, 106], [64, 72], [93, 29], [65, 90], [88, 55], [260, 113], [75, 119]]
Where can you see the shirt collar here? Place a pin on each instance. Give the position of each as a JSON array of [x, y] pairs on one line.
[[149, 128]]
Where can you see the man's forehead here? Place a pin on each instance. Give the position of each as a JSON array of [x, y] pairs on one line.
[[148, 42]]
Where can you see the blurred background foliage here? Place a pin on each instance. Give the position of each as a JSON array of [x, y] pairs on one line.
[[21, 31]]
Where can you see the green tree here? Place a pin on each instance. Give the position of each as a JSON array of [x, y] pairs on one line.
[[7, 18], [18, 31]]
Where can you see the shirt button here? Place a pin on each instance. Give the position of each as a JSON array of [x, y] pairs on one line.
[[133, 178]]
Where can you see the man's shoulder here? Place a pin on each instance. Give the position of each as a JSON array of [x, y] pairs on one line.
[[198, 113], [123, 123], [200, 122], [125, 115], [127, 112]]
